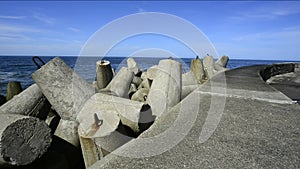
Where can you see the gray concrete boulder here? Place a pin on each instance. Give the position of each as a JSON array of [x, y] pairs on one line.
[[197, 70], [30, 102], [67, 130], [65, 89], [99, 120], [132, 90], [221, 63], [208, 63], [146, 83], [140, 95], [23, 139], [128, 111], [104, 73], [165, 90], [152, 72], [188, 79], [132, 65], [120, 84], [137, 80], [13, 88]]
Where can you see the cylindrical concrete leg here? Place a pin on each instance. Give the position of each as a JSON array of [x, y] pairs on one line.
[[23, 139], [132, 65], [104, 73], [221, 63], [197, 70], [67, 130], [30, 102], [120, 83], [65, 89], [13, 88], [90, 152], [208, 63], [165, 90]]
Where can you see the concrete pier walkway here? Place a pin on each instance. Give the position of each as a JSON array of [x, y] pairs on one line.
[[235, 120]]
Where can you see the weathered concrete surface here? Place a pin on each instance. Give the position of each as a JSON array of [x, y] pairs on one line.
[[65, 89], [104, 73], [132, 65], [67, 130], [197, 70], [140, 95], [23, 139], [188, 79], [257, 128], [30, 102], [221, 63], [60, 155], [145, 84], [13, 88], [120, 84], [106, 107], [208, 63], [165, 89], [288, 81]]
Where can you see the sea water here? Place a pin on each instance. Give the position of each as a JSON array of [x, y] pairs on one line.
[[20, 68]]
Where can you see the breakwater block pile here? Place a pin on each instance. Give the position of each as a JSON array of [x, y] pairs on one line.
[[62, 121]]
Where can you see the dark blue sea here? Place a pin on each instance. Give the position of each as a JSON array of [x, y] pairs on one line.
[[20, 68]]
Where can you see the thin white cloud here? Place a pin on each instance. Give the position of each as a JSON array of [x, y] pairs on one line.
[[13, 37], [11, 17], [266, 12], [8, 28], [44, 18], [73, 29]]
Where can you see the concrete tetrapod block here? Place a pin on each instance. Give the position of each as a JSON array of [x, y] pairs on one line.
[[132, 65], [137, 80], [120, 84], [152, 72], [221, 63], [197, 70], [208, 63], [140, 95], [23, 139], [67, 130], [188, 79], [13, 88], [100, 120], [132, 90], [146, 83], [65, 89], [104, 73], [165, 90], [30, 102], [130, 112], [144, 75], [95, 121]]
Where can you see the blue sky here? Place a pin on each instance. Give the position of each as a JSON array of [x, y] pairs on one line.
[[242, 30]]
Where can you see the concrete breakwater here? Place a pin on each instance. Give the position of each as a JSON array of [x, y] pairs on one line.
[[285, 78], [106, 123]]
